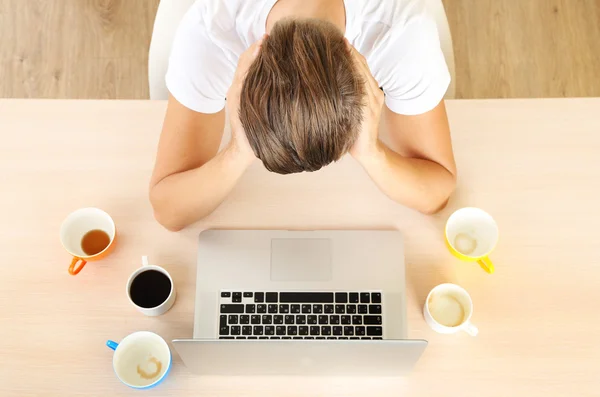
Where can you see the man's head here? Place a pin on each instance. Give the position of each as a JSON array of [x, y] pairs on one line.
[[301, 102]]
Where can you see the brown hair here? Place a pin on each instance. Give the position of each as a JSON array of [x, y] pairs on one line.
[[301, 102]]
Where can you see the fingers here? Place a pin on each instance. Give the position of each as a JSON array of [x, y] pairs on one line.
[[363, 66]]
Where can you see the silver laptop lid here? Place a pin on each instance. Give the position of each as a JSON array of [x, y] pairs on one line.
[[296, 357]]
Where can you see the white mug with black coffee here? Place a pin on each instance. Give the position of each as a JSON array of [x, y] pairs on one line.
[[151, 289]]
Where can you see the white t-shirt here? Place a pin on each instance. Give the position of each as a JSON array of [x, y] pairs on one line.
[[397, 37]]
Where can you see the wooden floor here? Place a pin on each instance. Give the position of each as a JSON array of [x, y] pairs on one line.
[[98, 48]]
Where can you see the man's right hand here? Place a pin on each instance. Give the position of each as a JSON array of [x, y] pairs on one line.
[[239, 141]]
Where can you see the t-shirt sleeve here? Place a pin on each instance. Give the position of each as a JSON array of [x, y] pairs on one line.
[[412, 69], [199, 73]]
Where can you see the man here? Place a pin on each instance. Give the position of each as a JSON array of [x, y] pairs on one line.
[[300, 97]]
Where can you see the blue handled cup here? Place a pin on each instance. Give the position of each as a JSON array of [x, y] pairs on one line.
[[142, 360]]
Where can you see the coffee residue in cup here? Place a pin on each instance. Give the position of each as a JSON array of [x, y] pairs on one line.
[[465, 244], [150, 375]]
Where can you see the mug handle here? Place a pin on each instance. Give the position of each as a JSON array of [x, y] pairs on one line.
[[74, 270], [486, 264], [471, 329], [112, 344]]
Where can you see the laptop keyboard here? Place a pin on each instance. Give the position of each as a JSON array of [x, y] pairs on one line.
[[300, 315]]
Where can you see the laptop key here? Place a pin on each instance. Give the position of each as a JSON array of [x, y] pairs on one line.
[[222, 320], [306, 297], [237, 297], [232, 309], [278, 319], [372, 320], [246, 330], [247, 294], [340, 309], [272, 308], [292, 330], [284, 309], [320, 337], [286, 337], [295, 309], [376, 297], [354, 337], [378, 337], [374, 331], [259, 297], [255, 319], [360, 331], [348, 331], [334, 320], [306, 309], [275, 337], [250, 308], [297, 337], [289, 319], [267, 319], [326, 330], [232, 319], [269, 330], [374, 309], [346, 320], [224, 330], [357, 320], [317, 309], [351, 309], [240, 337], [271, 297], [337, 331], [225, 294], [323, 319], [261, 308], [353, 297], [244, 319], [257, 330], [315, 330], [309, 337], [303, 330], [236, 330], [312, 319], [280, 330], [328, 309], [252, 337], [331, 337], [365, 297], [341, 297], [343, 337], [362, 309], [263, 337], [300, 319], [226, 337]]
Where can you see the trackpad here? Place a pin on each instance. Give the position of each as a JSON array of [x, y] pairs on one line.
[[300, 259]]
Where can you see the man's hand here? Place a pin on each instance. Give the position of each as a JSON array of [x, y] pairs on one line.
[[239, 141], [367, 141]]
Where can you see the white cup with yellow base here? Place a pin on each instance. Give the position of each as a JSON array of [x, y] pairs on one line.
[[471, 235]]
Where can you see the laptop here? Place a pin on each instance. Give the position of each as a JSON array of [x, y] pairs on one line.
[[324, 303]]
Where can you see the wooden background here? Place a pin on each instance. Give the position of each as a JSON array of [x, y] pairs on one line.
[[98, 48]]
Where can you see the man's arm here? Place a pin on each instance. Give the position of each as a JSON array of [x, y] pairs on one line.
[[421, 174], [190, 178]]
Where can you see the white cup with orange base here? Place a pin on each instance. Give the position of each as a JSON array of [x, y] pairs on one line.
[[88, 234], [471, 235]]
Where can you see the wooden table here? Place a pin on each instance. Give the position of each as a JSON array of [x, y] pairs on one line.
[[533, 164]]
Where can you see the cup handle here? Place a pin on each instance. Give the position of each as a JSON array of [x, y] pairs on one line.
[[73, 270], [112, 344], [471, 329], [486, 264]]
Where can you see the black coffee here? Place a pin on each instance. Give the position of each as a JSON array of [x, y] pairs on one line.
[[150, 289]]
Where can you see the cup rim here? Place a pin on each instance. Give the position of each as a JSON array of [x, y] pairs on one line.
[[474, 258], [465, 321], [157, 381], [139, 271], [112, 239]]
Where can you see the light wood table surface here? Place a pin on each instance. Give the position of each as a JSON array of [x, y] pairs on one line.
[[533, 164]]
